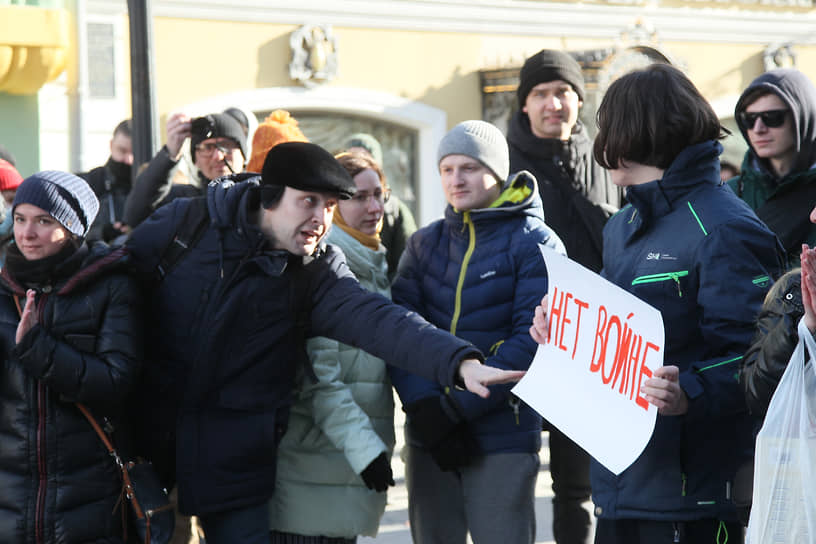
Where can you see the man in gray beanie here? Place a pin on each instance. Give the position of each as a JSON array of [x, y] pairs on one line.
[[547, 139], [471, 465]]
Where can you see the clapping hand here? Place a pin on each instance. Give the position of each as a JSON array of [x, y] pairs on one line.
[[28, 318]]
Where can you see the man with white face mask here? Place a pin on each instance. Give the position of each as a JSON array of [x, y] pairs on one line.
[[112, 183]]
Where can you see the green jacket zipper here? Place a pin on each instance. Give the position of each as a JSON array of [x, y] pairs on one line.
[[654, 278], [457, 307]]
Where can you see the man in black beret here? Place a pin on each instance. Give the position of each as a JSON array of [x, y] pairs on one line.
[[218, 147], [546, 138], [236, 281]]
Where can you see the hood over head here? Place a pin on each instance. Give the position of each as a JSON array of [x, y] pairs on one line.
[[799, 94]]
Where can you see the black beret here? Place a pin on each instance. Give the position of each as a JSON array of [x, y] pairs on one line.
[[307, 167]]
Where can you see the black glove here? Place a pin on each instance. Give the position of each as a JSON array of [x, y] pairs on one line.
[[377, 475], [428, 422], [456, 450], [449, 442]]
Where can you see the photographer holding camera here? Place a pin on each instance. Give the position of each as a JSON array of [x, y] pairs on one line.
[[218, 147]]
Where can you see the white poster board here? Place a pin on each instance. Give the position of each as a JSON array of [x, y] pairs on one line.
[[603, 343]]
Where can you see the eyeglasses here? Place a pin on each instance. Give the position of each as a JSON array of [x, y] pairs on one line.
[[224, 146], [770, 118], [364, 198]]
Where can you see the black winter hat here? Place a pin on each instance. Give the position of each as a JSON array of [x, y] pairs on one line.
[[307, 167], [549, 65], [217, 125], [68, 198]]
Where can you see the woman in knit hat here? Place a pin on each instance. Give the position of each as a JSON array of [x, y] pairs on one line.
[[341, 430], [68, 335]]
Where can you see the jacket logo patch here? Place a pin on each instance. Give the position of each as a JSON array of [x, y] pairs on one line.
[[656, 256], [487, 274]]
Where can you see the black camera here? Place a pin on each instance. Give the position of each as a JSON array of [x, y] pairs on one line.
[[202, 128]]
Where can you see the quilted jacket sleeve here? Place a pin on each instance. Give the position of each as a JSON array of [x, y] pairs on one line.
[[406, 291], [334, 409]]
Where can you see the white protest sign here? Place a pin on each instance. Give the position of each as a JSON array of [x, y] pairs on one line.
[[603, 343]]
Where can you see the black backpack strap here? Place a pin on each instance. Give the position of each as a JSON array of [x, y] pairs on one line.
[[190, 230], [301, 310]]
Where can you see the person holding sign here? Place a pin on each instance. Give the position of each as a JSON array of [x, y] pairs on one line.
[[688, 246], [479, 272]]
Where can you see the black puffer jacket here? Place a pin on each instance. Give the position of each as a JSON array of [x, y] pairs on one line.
[[57, 482], [773, 343]]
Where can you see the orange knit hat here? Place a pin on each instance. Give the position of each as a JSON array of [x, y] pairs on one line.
[[10, 178], [278, 127]]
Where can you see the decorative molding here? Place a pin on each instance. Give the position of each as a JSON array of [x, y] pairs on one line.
[[314, 55], [723, 23], [429, 122], [779, 56]]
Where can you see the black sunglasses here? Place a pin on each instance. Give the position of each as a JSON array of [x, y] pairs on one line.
[[770, 118]]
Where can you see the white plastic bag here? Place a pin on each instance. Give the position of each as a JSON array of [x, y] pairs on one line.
[[784, 501]]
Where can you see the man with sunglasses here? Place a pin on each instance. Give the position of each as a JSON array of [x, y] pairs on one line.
[[776, 115], [218, 146]]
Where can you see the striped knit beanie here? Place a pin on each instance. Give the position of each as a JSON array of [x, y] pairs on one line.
[[68, 198]]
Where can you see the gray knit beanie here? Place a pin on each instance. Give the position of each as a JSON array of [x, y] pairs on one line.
[[481, 141], [66, 197]]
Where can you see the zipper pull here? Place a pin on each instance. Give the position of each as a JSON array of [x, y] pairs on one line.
[[514, 404], [677, 281]]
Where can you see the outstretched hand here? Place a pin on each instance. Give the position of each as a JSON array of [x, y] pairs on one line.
[[478, 376], [541, 323], [28, 318]]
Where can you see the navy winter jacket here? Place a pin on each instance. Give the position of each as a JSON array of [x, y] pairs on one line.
[[224, 347], [689, 247], [480, 275]]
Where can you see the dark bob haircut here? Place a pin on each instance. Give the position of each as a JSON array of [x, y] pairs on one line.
[[649, 116]]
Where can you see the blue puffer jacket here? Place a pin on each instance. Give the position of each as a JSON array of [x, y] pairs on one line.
[[689, 247], [223, 346], [480, 274]]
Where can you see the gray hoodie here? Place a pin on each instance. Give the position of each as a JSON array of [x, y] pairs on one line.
[[799, 94]]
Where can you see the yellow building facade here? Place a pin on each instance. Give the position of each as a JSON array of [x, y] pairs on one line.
[[403, 70]]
